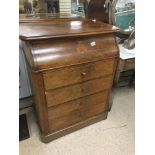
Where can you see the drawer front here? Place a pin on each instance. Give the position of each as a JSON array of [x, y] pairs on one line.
[[72, 112], [56, 53], [71, 75], [72, 92]]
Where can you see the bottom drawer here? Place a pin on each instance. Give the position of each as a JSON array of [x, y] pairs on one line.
[[72, 112]]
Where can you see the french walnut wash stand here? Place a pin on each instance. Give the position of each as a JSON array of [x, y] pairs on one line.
[[72, 66]]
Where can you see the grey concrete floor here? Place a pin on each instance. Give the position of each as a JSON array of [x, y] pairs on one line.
[[113, 136]]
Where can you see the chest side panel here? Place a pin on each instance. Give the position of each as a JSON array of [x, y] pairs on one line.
[[40, 101]]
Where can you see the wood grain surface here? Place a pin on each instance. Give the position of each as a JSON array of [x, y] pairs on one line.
[[72, 64]]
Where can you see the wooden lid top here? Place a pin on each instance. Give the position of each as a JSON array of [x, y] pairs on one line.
[[57, 29]]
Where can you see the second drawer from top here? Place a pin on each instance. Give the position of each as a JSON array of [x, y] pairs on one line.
[[71, 75]]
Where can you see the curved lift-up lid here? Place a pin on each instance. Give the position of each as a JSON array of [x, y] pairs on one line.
[[52, 45], [46, 30]]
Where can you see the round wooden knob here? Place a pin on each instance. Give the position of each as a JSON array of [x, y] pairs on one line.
[[83, 73], [81, 103], [83, 90]]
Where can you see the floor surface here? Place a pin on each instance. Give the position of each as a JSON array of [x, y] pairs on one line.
[[113, 136]]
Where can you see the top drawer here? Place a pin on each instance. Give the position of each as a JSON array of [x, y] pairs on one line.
[[58, 53], [71, 75]]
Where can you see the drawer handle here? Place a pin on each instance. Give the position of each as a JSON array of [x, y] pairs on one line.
[[83, 74], [81, 103]]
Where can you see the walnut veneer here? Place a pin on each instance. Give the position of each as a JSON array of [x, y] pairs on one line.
[[72, 65]]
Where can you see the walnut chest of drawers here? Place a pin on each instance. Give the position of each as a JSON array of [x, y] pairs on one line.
[[72, 65]]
